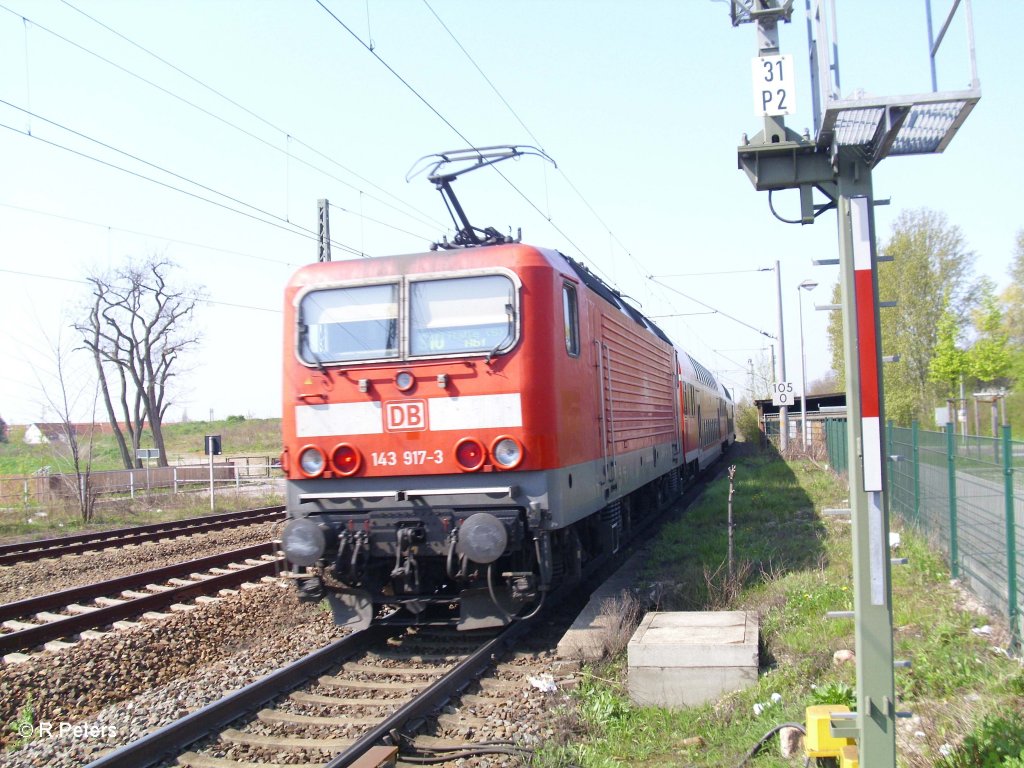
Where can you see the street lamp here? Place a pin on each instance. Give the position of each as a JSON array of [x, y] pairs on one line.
[[806, 285], [783, 409]]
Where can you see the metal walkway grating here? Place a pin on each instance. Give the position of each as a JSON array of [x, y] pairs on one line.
[[898, 125]]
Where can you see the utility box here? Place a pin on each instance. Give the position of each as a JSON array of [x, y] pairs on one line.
[[687, 658]]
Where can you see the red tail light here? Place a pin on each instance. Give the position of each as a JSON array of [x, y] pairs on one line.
[[470, 454], [346, 459]]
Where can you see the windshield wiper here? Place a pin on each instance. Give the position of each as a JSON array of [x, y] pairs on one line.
[[509, 334], [304, 344]]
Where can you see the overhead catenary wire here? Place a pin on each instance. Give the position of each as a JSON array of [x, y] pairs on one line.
[[176, 241], [447, 122], [705, 304], [77, 281], [280, 223], [484, 76], [708, 274], [163, 170], [611, 234], [363, 217], [289, 137], [533, 136]]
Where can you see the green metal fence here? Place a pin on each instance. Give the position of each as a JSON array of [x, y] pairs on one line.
[[963, 494], [835, 442]]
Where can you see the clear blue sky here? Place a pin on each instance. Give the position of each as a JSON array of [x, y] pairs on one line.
[[642, 105]]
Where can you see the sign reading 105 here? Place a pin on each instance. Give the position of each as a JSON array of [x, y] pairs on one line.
[[774, 86], [783, 393]]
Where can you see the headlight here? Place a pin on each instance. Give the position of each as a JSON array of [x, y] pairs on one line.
[[482, 538], [404, 381], [303, 541], [507, 452], [311, 461]]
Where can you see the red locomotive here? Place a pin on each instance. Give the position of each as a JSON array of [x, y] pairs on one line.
[[464, 429]]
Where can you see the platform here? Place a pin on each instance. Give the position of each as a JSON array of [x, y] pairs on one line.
[[585, 639]]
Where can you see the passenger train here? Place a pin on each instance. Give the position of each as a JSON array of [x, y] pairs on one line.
[[464, 429]]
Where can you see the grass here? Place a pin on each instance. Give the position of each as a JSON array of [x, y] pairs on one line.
[[792, 566], [183, 441], [143, 509]]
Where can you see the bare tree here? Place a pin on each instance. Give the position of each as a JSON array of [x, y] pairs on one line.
[[762, 376], [137, 328], [63, 396]]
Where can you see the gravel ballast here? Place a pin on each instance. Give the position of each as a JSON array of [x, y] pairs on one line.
[[118, 687]]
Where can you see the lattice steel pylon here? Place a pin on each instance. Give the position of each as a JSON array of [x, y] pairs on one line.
[[851, 137]]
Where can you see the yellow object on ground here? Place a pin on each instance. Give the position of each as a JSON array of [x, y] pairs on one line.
[[819, 741]]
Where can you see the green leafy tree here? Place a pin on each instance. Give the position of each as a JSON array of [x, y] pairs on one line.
[[929, 276], [1013, 297], [1013, 311], [835, 339], [949, 364], [989, 358], [3, 430]]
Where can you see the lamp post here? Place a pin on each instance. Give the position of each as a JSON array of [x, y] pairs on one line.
[[806, 285], [783, 410], [781, 373]]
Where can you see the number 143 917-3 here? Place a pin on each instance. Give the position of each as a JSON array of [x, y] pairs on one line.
[[407, 458]]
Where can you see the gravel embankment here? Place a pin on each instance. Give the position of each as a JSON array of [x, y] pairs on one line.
[[118, 687], [41, 577]]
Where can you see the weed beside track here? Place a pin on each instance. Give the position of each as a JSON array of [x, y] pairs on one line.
[[792, 565]]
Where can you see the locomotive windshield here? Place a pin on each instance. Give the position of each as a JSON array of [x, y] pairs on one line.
[[347, 324], [463, 314], [445, 316]]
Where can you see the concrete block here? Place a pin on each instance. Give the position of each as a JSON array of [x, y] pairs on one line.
[[688, 658], [75, 608], [55, 646]]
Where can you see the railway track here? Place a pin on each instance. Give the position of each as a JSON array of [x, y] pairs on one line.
[[379, 683], [381, 687], [28, 551], [419, 691], [37, 621]]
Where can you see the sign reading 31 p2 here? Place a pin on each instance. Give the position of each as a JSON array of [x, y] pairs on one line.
[[774, 86]]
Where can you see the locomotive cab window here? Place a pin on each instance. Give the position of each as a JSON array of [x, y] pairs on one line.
[[348, 324], [462, 314], [570, 313]]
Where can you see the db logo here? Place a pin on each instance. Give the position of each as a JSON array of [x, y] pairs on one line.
[[405, 416]]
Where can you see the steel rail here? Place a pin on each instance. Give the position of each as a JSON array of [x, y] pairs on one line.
[[169, 740], [435, 696], [99, 535], [31, 605], [68, 545], [34, 636], [176, 736]]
